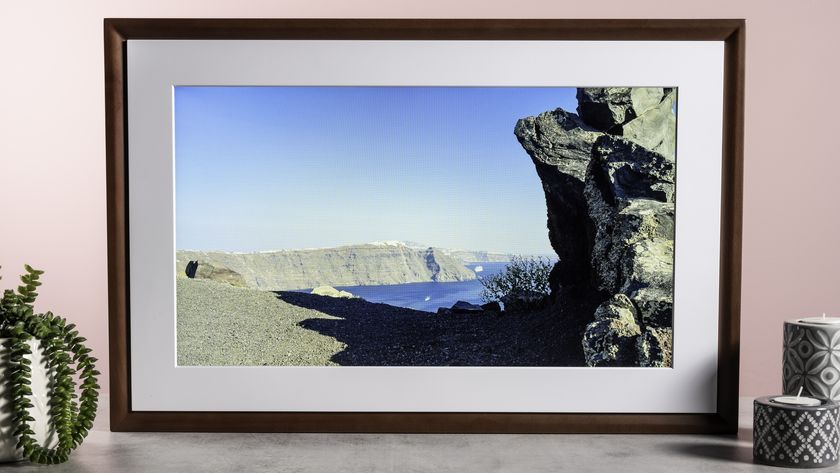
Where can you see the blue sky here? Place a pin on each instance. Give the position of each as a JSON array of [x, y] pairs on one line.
[[265, 168]]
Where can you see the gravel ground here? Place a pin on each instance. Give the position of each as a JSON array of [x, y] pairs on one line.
[[220, 324]]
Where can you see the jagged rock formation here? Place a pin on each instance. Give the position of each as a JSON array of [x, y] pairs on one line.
[[191, 268], [560, 145], [630, 194], [655, 347], [611, 339], [356, 265], [655, 128], [641, 114], [609, 175], [203, 270]]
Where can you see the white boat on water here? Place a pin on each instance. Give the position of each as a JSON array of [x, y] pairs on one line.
[[478, 269]]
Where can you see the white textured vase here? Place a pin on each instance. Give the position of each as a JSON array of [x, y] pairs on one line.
[[44, 434]]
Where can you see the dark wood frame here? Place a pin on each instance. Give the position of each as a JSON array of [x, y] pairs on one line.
[[123, 418]]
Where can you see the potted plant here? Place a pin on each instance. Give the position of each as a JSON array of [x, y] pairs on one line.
[[40, 359]]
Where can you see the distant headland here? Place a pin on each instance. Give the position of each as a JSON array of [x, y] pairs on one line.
[[377, 263]]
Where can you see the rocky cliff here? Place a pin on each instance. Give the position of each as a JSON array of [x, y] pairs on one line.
[[468, 256], [355, 265], [609, 173]]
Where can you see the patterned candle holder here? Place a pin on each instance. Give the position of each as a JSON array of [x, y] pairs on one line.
[[811, 358], [795, 436]]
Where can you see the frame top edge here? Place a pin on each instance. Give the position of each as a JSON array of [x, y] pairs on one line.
[[424, 29]]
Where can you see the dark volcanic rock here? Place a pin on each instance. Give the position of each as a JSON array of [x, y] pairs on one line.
[[462, 307], [192, 266], [605, 108], [611, 339], [628, 171], [630, 196], [560, 145], [492, 307], [558, 139], [629, 193], [655, 347], [610, 109], [609, 180], [655, 303], [654, 128]]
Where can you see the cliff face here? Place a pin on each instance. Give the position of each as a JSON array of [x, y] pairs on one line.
[[468, 256], [465, 256], [355, 265], [608, 175], [560, 145]]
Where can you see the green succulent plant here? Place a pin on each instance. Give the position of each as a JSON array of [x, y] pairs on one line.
[[71, 410]]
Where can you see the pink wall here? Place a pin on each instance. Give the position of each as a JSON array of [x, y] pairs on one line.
[[52, 168]]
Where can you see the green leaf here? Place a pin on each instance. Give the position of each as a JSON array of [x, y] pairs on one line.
[[62, 345]]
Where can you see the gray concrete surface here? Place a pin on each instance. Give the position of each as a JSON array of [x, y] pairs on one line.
[[104, 451]]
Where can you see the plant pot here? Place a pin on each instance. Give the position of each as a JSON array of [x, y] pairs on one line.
[[44, 434]]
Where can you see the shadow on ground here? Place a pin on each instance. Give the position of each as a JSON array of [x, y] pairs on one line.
[[384, 335], [725, 451]]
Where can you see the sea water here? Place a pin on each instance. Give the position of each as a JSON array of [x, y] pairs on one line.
[[428, 296]]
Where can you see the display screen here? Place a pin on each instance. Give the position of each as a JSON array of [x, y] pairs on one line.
[[424, 226]]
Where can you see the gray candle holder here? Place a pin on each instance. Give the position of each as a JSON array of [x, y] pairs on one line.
[[795, 436], [811, 359]]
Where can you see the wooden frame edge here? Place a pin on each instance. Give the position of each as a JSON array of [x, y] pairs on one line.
[[725, 421], [731, 226], [117, 223]]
